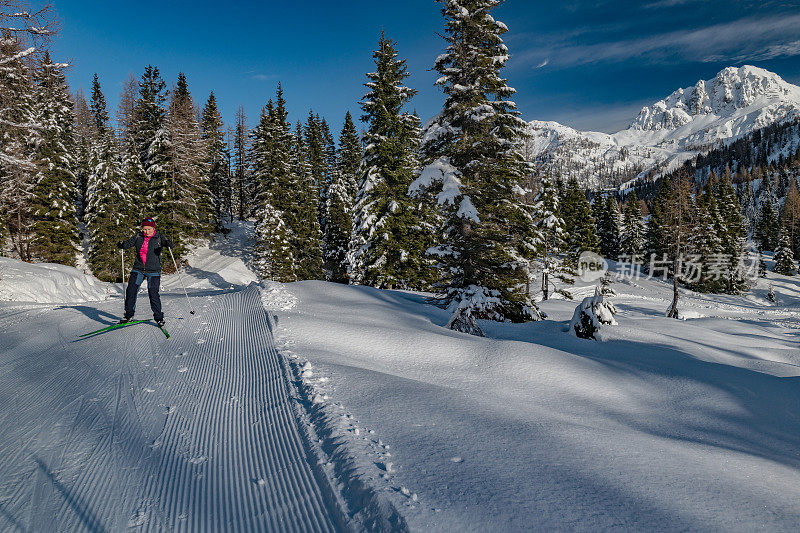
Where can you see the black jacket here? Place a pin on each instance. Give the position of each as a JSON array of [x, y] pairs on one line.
[[154, 247]]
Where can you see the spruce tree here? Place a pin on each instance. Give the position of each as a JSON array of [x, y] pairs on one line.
[[632, 231], [608, 222], [178, 182], [784, 257], [83, 145], [241, 176], [316, 139], [275, 192], [56, 225], [306, 232], [552, 244], [215, 160], [579, 221], [98, 109], [474, 167], [151, 139], [387, 245], [790, 215], [767, 227], [108, 208], [340, 202], [705, 240], [272, 251], [20, 135], [733, 236]]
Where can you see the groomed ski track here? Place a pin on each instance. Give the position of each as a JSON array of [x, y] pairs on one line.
[[130, 431]]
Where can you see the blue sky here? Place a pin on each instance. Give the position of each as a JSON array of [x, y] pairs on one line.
[[591, 65]]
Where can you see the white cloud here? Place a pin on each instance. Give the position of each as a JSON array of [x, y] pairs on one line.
[[747, 38], [543, 63]]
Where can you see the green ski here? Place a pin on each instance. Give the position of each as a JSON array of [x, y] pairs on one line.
[[115, 326], [163, 329]]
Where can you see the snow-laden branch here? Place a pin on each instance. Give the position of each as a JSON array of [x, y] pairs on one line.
[[17, 56], [11, 160]]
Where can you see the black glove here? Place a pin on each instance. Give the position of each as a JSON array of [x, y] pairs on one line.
[[120, 245]]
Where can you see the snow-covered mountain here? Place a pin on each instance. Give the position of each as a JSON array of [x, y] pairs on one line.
[[736, 102]]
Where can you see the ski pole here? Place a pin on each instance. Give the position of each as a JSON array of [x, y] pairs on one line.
[[191, 310], [122, 255]]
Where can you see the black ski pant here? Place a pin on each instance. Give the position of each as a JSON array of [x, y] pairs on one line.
[[153, 284]]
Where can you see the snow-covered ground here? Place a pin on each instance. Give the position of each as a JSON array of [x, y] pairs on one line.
[[366, 411], [221, 264], [665, 425]]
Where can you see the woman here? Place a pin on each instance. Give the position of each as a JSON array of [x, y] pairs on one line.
[[147, 264]]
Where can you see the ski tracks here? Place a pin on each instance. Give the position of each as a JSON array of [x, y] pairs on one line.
[[129, 431]]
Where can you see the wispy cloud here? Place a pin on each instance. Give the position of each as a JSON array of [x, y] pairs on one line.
[[747, 38], [661, 4], [543, 63], [263, 77]]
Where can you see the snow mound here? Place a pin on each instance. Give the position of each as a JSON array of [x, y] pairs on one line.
[[274, 296], [49, 283]]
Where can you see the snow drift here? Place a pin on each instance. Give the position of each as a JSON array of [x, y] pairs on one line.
[[50, 283]]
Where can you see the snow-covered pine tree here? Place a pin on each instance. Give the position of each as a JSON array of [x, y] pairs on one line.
[[632, 231], [20, 135], [350, 154], [98, 108], [784, 257], [747, 201], [215, 160], [56, 222], [272, 253], [387, 245], [552, 244], [151, 139], [733, 236], [315, 139], [655, 235], [592, 313], [790, 215], [241, 175], [581, 227], [271, 190], [83, 146], [341, 201], [473, 160], [108, 208], [182, 201], [306, 231], [608, 222], [767, 227], [705, 238]]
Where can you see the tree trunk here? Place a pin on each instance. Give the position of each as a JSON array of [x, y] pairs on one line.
[[673, 310]]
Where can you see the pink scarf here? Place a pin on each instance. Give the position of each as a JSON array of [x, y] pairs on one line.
[[143, 250]]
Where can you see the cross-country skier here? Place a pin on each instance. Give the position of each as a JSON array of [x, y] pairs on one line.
[[148, 245]]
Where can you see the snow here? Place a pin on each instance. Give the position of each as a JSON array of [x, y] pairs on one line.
[[50, 283], [667, 424], [342, 406], [220, 264]]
